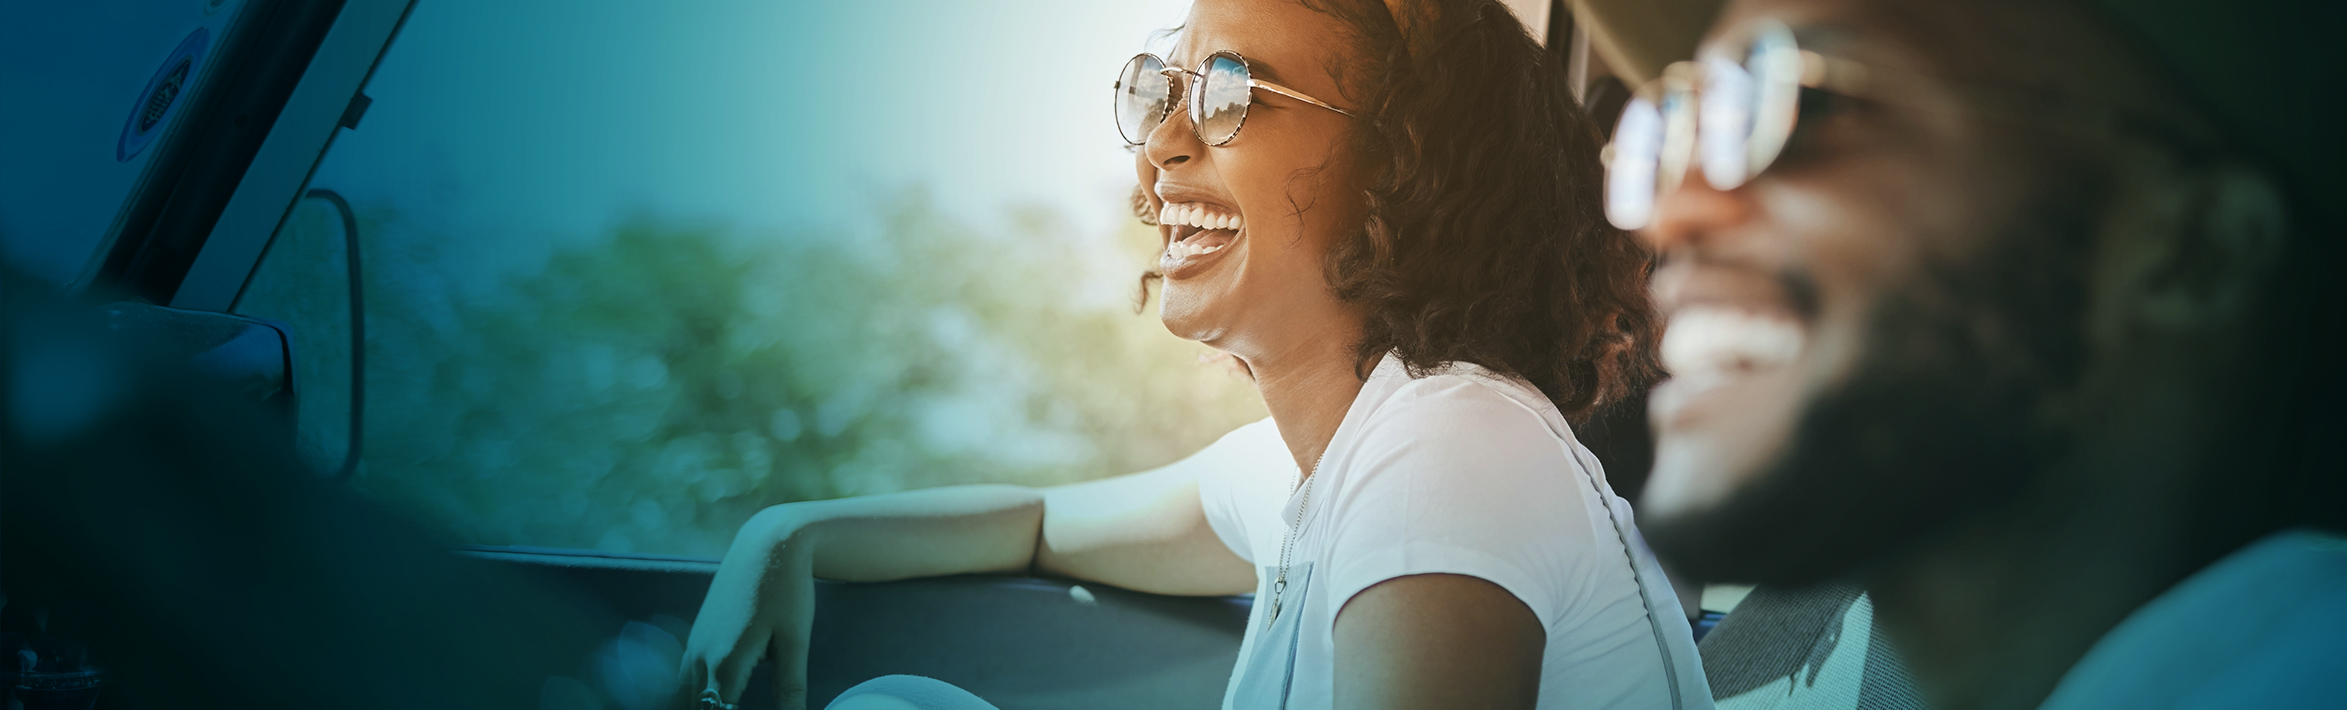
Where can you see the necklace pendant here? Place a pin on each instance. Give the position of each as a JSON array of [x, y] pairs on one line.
[[1274, 613]]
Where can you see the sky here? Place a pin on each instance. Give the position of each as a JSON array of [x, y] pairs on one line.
[[561, 116]]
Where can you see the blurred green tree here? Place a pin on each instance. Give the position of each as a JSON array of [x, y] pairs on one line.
[[651, 388]]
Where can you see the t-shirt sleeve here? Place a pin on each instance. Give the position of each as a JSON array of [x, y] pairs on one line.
[[1242, 481], [1453, 477]]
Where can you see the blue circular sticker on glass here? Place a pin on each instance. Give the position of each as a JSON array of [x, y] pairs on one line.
[[152, 111]]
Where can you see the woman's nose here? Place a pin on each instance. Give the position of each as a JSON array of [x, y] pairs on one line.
[[1173, 142], [1693, 213]]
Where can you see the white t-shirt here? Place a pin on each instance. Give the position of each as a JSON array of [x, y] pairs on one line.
[[1461, 472]]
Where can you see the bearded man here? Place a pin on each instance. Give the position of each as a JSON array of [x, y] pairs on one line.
[[2025, 320]]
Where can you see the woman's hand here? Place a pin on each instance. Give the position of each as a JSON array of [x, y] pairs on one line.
[[762, 604], [1143, 532]]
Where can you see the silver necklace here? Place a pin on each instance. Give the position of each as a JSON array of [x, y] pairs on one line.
[[1279, 585]]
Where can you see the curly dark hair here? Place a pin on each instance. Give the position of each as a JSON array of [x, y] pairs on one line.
[[1484, 240]]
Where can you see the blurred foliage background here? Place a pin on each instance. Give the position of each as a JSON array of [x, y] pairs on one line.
[[636, 271], [648, 388]]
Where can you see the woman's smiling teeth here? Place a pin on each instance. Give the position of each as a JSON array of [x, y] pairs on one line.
[[1198, 214], [1198, 229]]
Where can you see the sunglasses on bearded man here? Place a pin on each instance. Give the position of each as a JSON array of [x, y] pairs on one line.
[[1730, 113], [1218, 93]]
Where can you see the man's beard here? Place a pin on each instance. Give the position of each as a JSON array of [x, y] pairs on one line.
[[1940, 423]]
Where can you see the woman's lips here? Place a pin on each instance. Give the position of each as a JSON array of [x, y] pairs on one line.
[[1196, 233]]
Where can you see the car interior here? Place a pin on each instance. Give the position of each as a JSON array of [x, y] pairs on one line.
[[220, 150]]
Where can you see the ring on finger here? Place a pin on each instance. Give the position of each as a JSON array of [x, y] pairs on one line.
[[711, 701]]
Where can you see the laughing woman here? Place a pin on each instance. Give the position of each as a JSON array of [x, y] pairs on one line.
[[1388, 213]]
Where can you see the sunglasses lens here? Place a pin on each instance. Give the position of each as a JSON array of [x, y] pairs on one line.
[[1772, 72], [1141, 95], [1725, 115], [1633, 164], [1220, 104]]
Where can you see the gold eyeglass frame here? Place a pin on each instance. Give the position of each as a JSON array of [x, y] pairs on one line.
[[1676, 97], [1191, 97]]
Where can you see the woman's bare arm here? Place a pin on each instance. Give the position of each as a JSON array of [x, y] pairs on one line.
[[1144, 531], [1437, 640], [924, 533]]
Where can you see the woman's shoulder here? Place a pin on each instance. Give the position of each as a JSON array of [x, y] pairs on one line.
[[1462, 423], [1460, 474], [1465, 395]]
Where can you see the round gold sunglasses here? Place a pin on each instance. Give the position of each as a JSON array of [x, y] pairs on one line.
[[1219, 92]]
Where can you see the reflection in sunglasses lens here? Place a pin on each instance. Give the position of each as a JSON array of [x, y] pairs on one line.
[[1140, 98], [1774, 65], [1221, 101], [1630, 171], [1725, 117]]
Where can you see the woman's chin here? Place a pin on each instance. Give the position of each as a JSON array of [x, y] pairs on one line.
[[1186, 313]]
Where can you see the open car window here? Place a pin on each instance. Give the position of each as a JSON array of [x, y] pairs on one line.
[[634, 272]]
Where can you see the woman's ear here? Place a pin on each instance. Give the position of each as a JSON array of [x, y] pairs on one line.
[[2198, 249]]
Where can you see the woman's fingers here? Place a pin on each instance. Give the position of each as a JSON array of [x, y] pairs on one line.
[[790, 679], [794, 621], [761, 604], [729, 637], [729, 674]]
